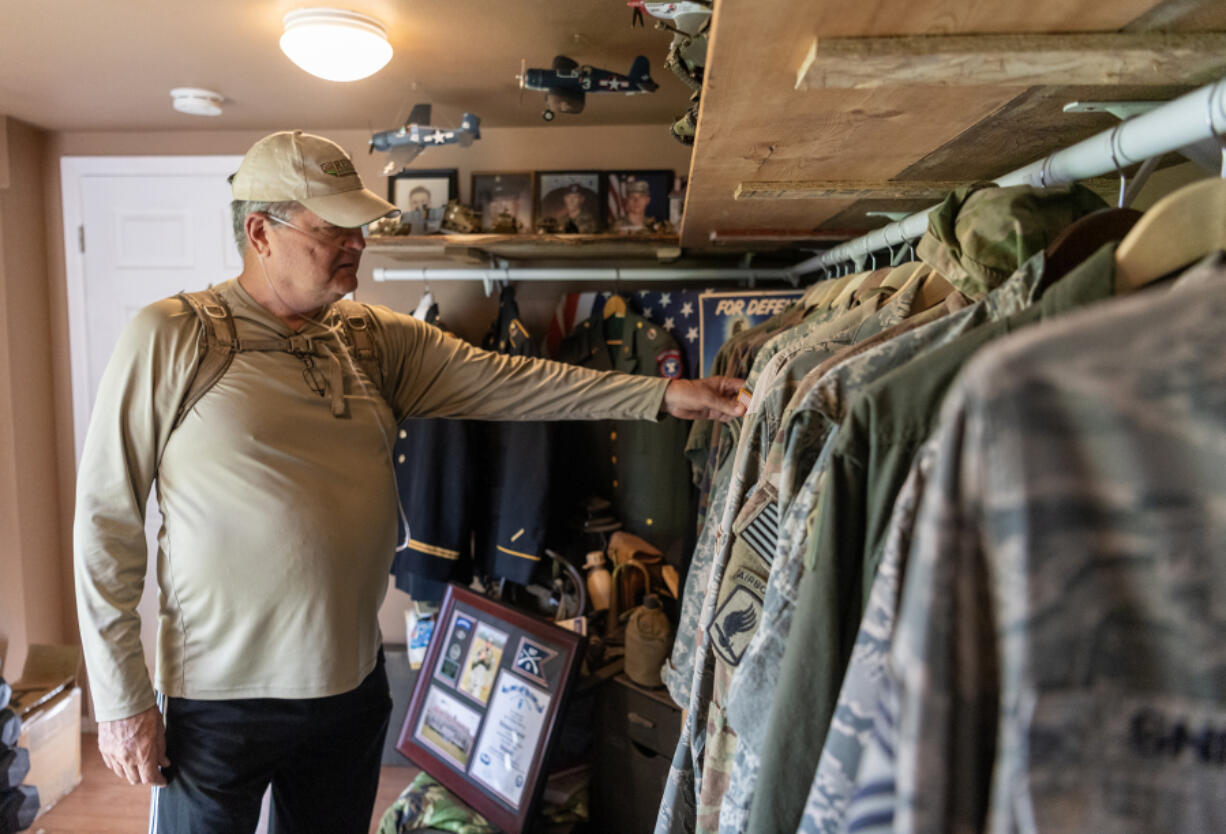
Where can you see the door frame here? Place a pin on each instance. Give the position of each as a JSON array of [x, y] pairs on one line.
[[73, 172]]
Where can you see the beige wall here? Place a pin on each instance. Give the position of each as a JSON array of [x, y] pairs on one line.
[[465, 306], [32, 548]]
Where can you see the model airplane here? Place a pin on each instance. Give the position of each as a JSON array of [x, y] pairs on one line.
[[403, 144], [672, 11], [567, 84]]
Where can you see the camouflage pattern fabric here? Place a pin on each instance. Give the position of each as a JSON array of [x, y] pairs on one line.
[[784, 575], [678, 670], [980, 233], [754, 528], [425, 804], [876, 448], [1059, 644], [690, 761], [809, 424], [852, 723], [816, 328], [732, 359]]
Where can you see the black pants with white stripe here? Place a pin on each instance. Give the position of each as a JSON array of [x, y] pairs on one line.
[[321, 756]]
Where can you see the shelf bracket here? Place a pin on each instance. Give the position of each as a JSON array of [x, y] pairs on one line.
[[1120, 109]]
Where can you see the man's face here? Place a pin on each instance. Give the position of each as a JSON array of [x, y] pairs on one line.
[[573, 201], [637, 202], [311, 262], [419, 200]]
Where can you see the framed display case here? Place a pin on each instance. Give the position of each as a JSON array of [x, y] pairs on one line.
[[485, 710]]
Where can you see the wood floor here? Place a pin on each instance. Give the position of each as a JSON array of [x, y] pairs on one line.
[[102, 804]]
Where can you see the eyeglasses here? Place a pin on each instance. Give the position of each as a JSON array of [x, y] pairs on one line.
[[332, 236]]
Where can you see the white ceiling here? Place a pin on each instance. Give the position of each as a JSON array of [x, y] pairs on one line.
[[110, 64]]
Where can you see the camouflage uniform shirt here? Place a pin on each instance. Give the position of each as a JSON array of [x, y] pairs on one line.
[[1059, 646]]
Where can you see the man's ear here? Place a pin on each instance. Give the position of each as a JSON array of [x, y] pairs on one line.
[[256, 225]]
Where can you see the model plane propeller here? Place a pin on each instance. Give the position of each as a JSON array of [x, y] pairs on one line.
[[567, 84], [404, 143]]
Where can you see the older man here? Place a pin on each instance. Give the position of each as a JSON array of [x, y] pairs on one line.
[[276, 488]]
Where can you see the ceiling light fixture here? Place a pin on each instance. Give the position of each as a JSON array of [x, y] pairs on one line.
[[334, 44], [196, 102]]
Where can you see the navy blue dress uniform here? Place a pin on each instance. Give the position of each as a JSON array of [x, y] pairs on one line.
[[639, 466], [515, 470], [474, 494], [432, 458]]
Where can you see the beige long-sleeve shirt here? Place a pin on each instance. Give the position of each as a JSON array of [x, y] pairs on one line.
[[280, 519]]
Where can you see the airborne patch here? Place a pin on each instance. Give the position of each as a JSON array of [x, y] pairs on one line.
[[338, 168], [738, 617]]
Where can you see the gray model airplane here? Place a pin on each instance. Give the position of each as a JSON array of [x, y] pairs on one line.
[[403, 144]]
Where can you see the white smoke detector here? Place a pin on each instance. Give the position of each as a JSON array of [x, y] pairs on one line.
[[196, 102]]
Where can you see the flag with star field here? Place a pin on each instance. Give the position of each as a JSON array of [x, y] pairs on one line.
[[674, 310]]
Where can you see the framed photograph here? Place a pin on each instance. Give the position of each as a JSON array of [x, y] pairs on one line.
[[422, 196], [502, 195], [636, 198], [570, 201], [484, 723]]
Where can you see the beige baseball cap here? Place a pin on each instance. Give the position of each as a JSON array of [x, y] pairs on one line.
[[314, 171]]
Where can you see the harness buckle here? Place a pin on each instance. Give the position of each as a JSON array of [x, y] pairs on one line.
[[300, 345]]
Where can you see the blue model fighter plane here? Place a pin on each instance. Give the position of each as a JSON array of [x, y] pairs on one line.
[[403, 144], [567, 84]]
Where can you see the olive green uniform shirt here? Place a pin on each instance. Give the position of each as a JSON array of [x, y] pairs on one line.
[[640, 468]]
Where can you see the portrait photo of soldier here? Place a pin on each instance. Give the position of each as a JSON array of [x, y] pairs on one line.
[[421, 196], [503, 195], [572, 200], [637, 201]]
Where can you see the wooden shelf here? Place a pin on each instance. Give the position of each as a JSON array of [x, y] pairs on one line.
[[478, 249], [758, 133]]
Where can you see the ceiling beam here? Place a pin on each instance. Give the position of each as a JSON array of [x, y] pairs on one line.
[[843, 190], [1150, 58]]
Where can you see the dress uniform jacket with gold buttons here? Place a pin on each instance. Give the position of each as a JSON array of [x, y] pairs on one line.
[[432, 455], [640, 468], [473, 484], [511, 532]]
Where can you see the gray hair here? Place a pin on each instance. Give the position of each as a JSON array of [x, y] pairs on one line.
[[239, 209]]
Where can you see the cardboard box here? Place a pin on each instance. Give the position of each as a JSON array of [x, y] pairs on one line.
[[48, 701], [52, 734]]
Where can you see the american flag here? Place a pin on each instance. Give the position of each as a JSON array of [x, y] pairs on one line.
[[674, 310]]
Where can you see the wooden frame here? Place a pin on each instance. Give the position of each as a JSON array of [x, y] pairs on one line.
[[549, 202], [521, 185], [660, 184], [401, 185], [493, 677]]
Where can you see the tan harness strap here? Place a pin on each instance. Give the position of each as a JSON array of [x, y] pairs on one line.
[[217, 346]]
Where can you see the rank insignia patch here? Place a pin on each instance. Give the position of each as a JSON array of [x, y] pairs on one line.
[[738, 617], [762, 532], [531, 658], [669, 362]]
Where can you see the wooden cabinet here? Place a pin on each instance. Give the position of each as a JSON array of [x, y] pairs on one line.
[[636, 733]]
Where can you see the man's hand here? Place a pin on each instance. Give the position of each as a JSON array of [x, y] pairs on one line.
[[134, 747], [709, 398]]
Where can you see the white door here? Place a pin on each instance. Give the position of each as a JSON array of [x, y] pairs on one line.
[[138, 229]]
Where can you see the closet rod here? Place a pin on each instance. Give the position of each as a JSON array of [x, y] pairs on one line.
[[610, 275], [1191, 118]]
